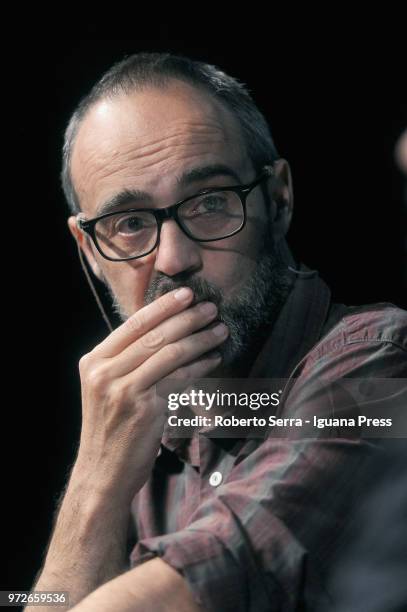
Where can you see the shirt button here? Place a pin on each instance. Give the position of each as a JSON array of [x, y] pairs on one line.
[[215, 479]]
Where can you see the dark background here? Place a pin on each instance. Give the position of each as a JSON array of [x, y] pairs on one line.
[[336, 101]]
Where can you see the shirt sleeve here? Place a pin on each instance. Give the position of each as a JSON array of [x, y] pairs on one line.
[[267, 537]]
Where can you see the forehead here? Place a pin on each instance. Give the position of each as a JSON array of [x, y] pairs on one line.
[[145, 139]]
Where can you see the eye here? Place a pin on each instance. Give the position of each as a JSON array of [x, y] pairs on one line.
[[133, 223], [213, 203], [130, 224], [207, 204]]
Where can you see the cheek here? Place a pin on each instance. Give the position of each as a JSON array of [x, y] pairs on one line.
[[128, 282], [230, 263]]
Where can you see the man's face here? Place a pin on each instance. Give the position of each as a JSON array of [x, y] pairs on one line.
[[147, 141]]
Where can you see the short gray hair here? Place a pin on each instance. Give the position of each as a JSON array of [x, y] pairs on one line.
[[158, 69]]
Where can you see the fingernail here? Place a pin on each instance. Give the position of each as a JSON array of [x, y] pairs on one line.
[[207, 308], [220, 330], [183, 294]]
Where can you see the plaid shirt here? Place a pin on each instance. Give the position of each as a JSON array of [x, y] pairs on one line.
[[263, 532]]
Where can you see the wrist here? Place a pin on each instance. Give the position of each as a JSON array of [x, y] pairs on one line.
[[111, 482], [89, 539]]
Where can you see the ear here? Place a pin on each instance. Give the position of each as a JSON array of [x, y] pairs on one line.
[[281, 198], [84, 243]]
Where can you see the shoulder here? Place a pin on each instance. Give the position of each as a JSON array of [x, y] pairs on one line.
[[356, 335], [381, 322]]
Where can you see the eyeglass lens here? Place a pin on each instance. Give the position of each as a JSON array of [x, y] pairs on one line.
[[210, 216]]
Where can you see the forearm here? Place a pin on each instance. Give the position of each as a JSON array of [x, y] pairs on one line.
[[153, 586], [88, 545], [122, 425]]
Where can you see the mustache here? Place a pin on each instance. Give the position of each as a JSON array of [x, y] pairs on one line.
[[203, 290]]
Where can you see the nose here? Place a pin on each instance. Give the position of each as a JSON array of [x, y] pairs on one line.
[[176, 252]]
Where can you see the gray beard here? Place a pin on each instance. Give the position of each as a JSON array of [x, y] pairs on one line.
[[256, 304]]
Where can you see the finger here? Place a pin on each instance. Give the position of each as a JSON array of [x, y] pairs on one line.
[[171, 330], [185, 377], [176, 355], [143, 320]]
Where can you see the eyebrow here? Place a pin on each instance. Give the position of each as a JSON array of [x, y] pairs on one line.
[[195, 175]]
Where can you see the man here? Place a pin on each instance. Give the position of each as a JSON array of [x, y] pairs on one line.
[[206, 287]]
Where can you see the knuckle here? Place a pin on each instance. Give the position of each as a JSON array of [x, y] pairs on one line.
[[135, 323], [97, 376], [84, 362], [153, 339], [174, 352]]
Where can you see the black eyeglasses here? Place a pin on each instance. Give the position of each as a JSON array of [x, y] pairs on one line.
[[212, 214]]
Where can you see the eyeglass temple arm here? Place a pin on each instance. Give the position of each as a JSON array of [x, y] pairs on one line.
[[90, 282]]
